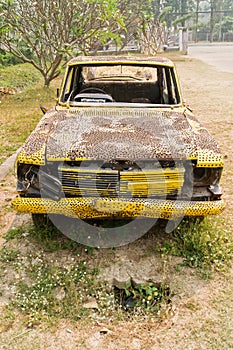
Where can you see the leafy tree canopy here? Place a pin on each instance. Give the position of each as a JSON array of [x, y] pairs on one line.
[[43, 32], [46, 33]]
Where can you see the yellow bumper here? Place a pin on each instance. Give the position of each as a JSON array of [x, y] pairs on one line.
[[118, 207]]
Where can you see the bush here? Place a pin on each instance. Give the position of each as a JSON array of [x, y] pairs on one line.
[[7, 59]]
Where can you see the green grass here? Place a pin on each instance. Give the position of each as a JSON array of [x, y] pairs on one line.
[[8, 255], [49, 238], [21, 112], [207, 245], [45, 287], [19, 76]]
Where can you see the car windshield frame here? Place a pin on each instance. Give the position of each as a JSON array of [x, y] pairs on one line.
[[165, 78]]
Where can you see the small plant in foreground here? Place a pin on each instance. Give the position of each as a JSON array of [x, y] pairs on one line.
[[143, 299]]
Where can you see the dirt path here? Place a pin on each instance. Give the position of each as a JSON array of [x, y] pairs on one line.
[[202, 316]]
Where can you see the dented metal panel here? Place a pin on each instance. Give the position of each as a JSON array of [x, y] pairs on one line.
[[111, 133]]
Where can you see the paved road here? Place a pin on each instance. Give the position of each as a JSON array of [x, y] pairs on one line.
[[218, 55]]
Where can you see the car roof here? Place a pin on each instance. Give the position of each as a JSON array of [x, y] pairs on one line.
[[118, 60]]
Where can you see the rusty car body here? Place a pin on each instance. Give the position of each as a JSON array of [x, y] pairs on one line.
[[120, 143]]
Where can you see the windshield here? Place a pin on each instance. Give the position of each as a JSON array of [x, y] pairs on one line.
[[119, 72], [120, 83]]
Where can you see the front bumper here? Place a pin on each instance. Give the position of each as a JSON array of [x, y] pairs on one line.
[[86, 207]]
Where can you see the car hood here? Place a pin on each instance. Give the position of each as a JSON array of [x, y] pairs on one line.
[[119, 133]]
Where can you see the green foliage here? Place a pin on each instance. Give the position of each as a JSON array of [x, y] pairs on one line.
[[162, 16], [17, 232], [8, 255], [7, 59], [182, 19], [143, 299], [205, 245], [226, 26]]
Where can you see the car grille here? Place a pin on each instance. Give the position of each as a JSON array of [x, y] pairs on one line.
[[159, 182], [77, 181], [89, 183]]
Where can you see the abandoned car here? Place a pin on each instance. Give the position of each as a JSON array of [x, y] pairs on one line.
[[120, 143]]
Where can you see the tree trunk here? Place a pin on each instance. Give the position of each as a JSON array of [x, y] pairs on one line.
[[47, 81], [183, 10], [196, 20], [211, 38], [220, 21]]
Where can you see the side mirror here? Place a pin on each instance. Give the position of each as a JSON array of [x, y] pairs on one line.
[[44, 109], [187, 106]]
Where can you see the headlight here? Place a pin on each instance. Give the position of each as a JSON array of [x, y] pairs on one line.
[[27, 175], [33, 181], [206, 176], [201, 182], [201, 176], [216, 175]]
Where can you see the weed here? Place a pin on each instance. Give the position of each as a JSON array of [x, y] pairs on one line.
[[143, 299], [19, 76], [8, 255], [7, 318], [16, 232]]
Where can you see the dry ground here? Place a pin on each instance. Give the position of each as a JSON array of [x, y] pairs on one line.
[[202, 314]]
